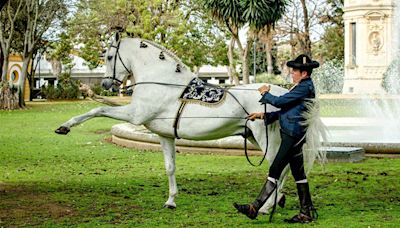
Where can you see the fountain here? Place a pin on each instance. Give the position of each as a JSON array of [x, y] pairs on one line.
[[376, 129]]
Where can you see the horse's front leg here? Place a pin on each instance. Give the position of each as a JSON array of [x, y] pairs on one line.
[[168, 146], [120, 113]]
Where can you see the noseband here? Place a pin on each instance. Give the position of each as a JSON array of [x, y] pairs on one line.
[[117, 54]]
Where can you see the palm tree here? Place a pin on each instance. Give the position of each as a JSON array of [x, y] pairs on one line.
[[262, 16], [259, 14]]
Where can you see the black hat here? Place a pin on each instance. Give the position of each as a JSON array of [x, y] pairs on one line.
[[303, 62]]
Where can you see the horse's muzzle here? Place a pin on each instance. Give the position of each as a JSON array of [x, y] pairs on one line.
[[107, 83]]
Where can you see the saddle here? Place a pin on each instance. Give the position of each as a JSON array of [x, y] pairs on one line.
[[198, 91]]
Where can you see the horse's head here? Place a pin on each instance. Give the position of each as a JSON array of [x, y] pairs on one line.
[[117, 69]]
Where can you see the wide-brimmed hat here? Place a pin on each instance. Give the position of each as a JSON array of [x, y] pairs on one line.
[[303, 62]]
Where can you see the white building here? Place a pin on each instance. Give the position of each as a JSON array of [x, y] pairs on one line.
[[80, 71]]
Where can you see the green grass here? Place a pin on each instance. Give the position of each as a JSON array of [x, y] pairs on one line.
[[82, 180]]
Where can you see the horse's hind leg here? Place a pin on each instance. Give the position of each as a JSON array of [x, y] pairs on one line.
[[168, 146]]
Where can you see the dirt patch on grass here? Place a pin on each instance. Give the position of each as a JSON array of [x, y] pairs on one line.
[[21, 205], [102, 131]]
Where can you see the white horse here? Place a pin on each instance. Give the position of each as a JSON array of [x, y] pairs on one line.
[[155, 103]]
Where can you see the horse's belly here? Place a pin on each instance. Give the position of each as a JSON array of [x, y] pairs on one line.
[[201, 129]]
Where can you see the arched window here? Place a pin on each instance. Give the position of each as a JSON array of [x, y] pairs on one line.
[[14, 76]]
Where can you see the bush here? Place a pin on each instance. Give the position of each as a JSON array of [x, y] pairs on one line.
[[98, 89], [66, 89], [329, 78], [273, 79], [391, 78]]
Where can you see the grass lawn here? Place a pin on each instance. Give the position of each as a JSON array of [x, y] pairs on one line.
[[82, 180]]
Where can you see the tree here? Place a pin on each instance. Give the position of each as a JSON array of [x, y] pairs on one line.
[[177, 25], [301, 25], [8, 17], [332, 45], [235, 14], [38, 17]]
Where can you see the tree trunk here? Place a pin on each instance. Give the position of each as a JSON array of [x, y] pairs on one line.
[[233, 76], [4, 69], [7, 36], [21, 80], [268, 50], [1, 64], [8, 97], [244, 57], [246, 61], [306, 37]]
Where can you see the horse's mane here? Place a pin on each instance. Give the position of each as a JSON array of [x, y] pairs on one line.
[[166, 51]]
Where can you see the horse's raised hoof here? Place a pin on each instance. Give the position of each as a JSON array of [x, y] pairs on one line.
[[62, 130], [169, 206]]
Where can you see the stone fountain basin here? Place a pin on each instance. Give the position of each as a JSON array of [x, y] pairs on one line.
[[345, 132]]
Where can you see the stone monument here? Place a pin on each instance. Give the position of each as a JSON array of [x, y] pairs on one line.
[[369, 46]]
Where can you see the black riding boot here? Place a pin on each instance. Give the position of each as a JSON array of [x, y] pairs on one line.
[[251, 210], [307, 211]]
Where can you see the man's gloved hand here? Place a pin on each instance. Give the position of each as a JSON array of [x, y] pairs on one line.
[[255, 115], [264, 89]]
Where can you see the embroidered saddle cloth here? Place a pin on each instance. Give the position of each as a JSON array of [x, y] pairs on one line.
[[202, 92]]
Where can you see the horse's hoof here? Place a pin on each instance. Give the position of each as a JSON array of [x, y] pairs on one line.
[[169, 206], [62, 130]]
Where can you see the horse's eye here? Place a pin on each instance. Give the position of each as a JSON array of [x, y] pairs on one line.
[[109, 57]]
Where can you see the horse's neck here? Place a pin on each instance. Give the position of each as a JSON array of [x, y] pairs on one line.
[[148, 67]]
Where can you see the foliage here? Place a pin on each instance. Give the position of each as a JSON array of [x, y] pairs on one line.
[[329, 77], [332, 43], [261, 59], [175, 25], [67, 88], [331, 46], [273, 79], [98, 89], [391, 78], [61, 50], [49, 180]]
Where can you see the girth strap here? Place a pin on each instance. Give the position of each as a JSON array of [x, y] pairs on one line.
[[177, 118]]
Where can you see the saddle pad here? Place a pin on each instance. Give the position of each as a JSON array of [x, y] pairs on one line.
[[200, 91]]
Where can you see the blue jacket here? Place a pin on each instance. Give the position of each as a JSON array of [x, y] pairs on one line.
[[291, 107]]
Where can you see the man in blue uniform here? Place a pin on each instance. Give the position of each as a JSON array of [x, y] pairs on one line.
[[292, 105]]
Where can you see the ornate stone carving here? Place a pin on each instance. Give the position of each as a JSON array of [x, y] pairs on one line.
[[375, 41], [375, 22]]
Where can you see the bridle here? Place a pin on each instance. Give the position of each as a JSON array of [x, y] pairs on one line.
[[117, 54]]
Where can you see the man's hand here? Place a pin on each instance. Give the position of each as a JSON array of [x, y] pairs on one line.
[[255, 115], [264, 89]]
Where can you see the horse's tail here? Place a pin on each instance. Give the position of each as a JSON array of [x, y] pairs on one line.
[[316, 133]]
